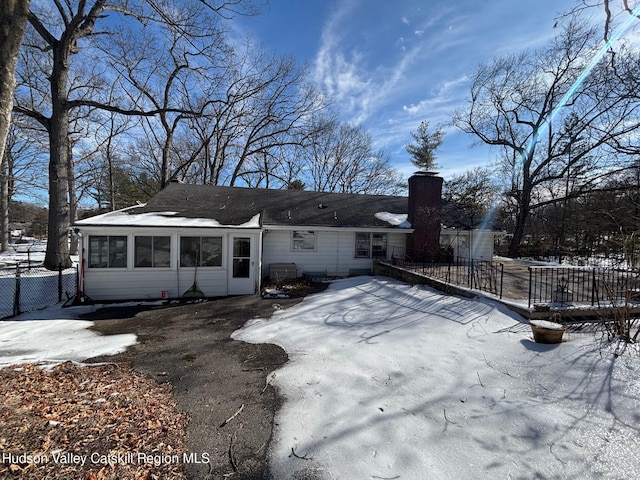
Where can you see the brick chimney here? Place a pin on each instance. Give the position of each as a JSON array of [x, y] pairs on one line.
[[425, 204]]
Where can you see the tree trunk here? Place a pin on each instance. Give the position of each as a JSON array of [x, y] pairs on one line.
[[112, 179], [518, 234], [165, 174], [521, 219], [73, 203], [57, 253], [13, 22], [4, 207]]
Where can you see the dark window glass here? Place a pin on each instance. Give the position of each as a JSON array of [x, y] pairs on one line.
[[152, 251], [363, 245], [203, 251], [107, 251], [379, 245]]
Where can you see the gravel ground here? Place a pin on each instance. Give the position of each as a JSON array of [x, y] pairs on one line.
[[220, 383]]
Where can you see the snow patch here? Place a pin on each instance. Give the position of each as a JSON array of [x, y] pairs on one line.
[[395, 219], [387, 380], [53, 335], [159, 219]]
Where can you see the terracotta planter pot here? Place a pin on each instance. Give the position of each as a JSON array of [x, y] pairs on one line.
[[547, 332]]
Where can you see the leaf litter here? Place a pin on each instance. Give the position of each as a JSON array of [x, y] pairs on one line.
[[95, 422]]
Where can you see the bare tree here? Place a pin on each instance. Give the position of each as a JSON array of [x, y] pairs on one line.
[[469, 197], [252, 115], [340, 158], [269, 106], [21, 172], [13, 22], [518, 102], [172, 72], [613, 11], [61, 32]]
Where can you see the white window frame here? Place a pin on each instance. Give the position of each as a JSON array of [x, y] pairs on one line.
[[202, 260], [304, 241], [153, 255], [111, 252], [359, 237]]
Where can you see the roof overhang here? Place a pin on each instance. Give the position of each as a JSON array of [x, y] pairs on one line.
[[323, 228]]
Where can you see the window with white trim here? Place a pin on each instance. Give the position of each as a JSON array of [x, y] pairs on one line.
[[150, 251], [379, 245], [201, 251], [303, 240], [107, 251], [370, 245]]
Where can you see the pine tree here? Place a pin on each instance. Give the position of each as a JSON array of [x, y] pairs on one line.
[[423, 151]]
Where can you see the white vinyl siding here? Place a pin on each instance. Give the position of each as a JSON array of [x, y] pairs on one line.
[[481, 242], [335, 251], [131, 282]]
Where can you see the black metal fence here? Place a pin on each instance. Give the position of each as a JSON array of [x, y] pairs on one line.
[[547, 285], [595, 286], [24, 288], [482, 275]]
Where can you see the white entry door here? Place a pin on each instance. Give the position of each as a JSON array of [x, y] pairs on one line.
[[242, 264]]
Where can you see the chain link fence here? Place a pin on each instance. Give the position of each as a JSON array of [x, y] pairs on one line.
[[25, 288]]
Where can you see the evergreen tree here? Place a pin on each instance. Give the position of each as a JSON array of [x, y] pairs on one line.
[[423, 151]]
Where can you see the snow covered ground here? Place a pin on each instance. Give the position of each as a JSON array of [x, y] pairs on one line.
[[390, 381], [55, 335]]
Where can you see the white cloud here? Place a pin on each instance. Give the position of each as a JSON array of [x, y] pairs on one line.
[[388, 78], [359, 88], [441, 101], [329, 60]]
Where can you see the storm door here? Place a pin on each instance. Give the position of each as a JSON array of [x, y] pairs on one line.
[[241, 264]]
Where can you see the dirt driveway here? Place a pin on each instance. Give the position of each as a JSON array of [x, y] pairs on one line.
[[213, 377]]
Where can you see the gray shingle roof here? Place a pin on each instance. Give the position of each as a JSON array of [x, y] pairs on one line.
[[237, 205]]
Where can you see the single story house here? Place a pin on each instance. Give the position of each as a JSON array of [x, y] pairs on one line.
[[228, 239]]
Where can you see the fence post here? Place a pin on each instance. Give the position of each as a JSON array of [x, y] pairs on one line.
[[593, 286], [501, 278], [16, 296], [59, 282], [530, 284]]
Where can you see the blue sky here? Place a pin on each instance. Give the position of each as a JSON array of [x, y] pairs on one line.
[[390, 65]]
